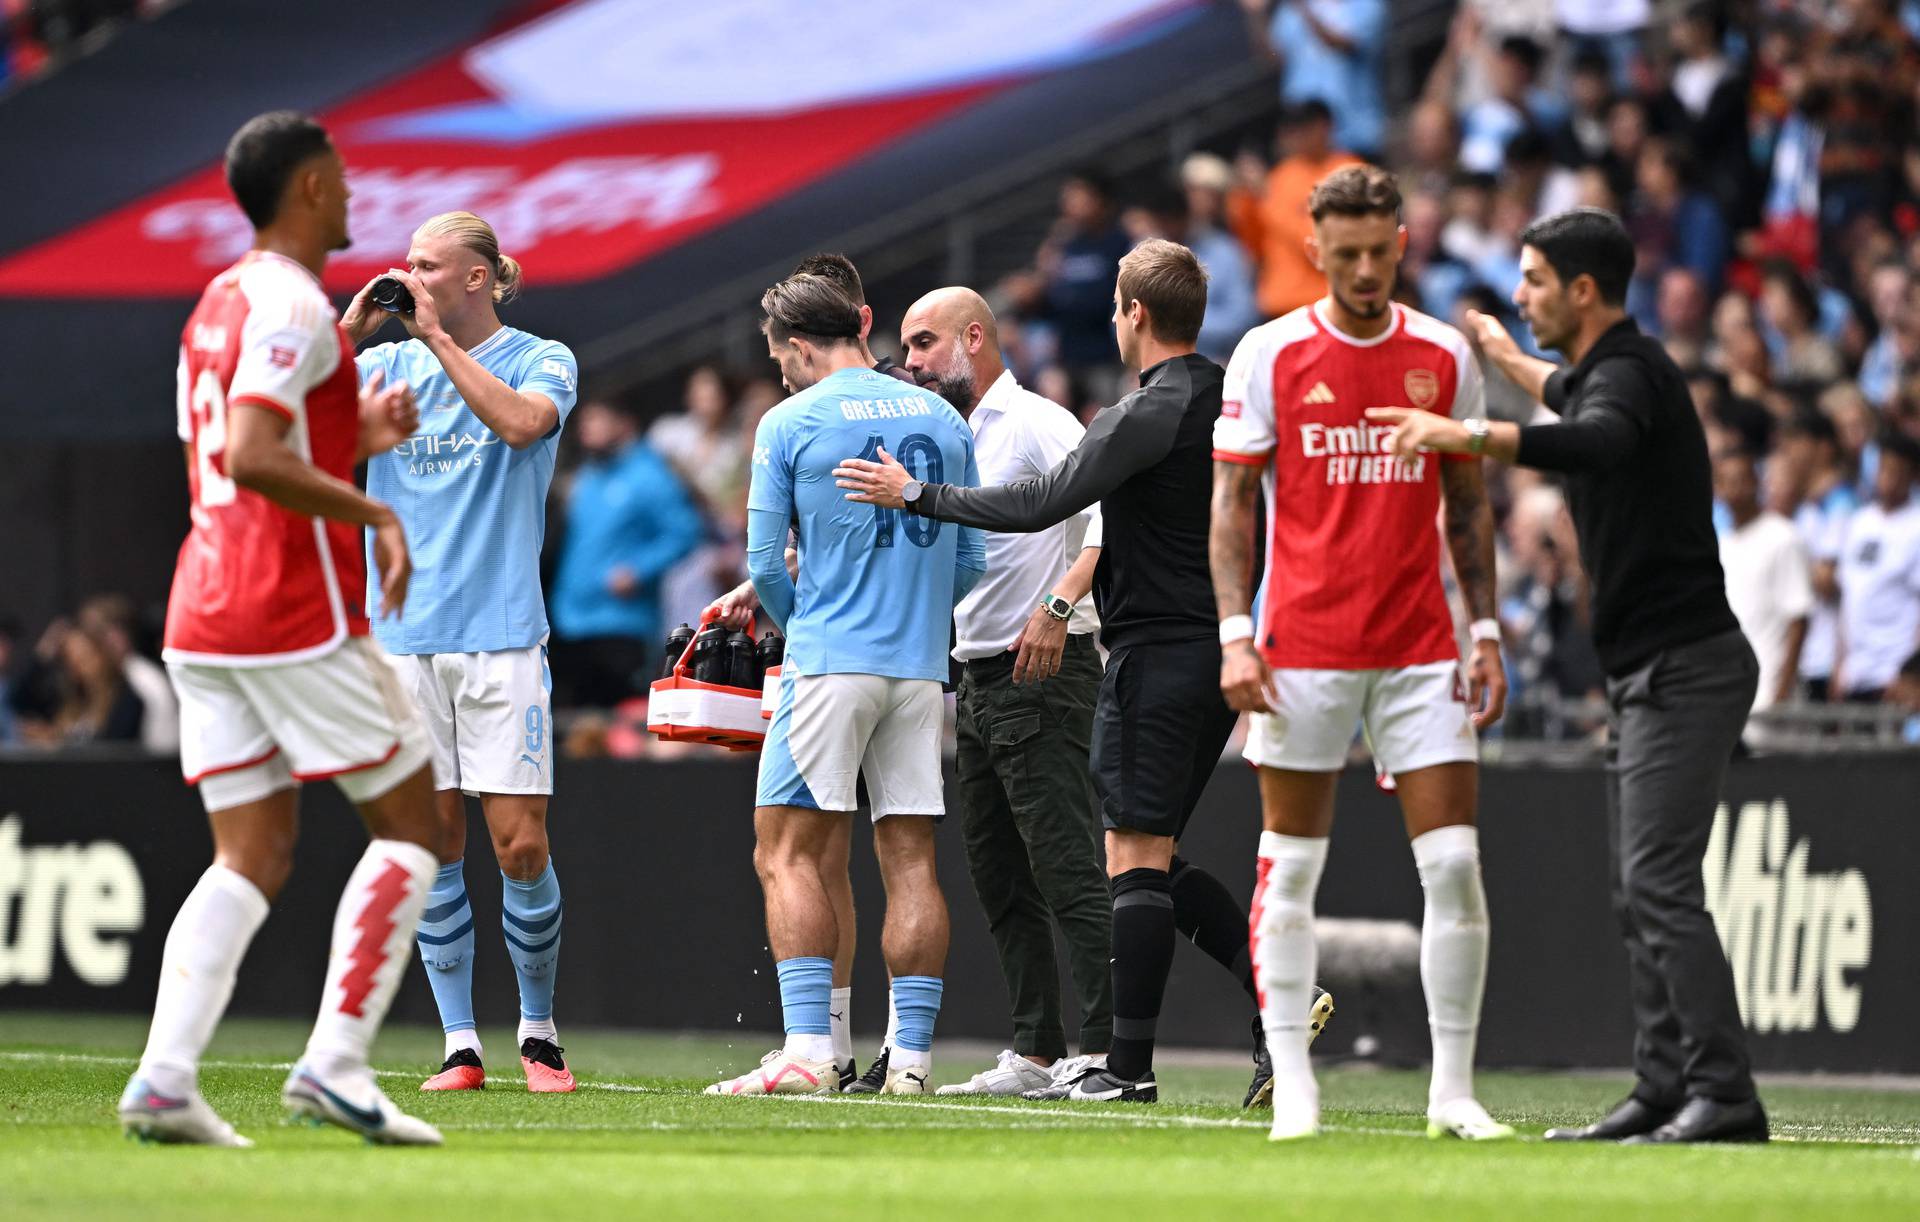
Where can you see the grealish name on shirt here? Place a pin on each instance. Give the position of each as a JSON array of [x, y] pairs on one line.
[[884, 409]]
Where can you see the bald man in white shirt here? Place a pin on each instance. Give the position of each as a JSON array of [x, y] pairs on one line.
[[1030, 677]]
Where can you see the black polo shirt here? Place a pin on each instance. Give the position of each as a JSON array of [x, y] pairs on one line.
[[1640, 488]]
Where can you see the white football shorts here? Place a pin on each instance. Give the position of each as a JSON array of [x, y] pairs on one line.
[[1414, 717], [830, 729], [247, 732], [489, 717]]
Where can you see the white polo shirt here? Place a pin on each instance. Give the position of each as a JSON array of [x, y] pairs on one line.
[[1019, 435], [1769, 586], [1879, 594]]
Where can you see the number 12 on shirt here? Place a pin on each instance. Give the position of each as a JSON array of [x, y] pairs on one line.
[[916, 451]]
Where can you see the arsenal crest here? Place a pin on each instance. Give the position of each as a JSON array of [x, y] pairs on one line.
[[1423, 387]]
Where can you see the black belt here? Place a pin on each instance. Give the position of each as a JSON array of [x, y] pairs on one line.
[[1005, 658]]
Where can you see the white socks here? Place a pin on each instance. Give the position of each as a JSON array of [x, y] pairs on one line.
[[1284, 954], [809, 1047], [1453, 954], [466, 1038], [537, 1028], [893, 1018], [907, 1058], [840, 1014], [372, 944], [530, 1028], [204, 947]]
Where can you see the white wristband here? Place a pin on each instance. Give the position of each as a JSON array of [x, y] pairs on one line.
[[1484, 630], [1236, 628]]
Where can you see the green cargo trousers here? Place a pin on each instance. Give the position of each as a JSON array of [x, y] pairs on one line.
[[1033, 842]]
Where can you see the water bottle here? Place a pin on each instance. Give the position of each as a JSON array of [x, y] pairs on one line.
[[676, 645], [743, 668], [773, 651], [710, 655]]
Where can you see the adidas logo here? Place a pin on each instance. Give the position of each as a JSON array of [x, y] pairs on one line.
[[1319, 394]]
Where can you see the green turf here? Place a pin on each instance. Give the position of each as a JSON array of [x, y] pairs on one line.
[[638, 1141]]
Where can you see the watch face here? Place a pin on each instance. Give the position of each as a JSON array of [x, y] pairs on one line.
[[911, 490]]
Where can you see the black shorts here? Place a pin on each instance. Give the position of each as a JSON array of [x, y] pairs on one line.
[[1158, 732]]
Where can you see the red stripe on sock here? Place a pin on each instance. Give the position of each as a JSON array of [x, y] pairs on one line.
[[1262, 867], [376, 925]]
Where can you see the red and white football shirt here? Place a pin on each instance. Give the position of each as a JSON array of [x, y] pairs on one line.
[[1353, 556], [256, 584]]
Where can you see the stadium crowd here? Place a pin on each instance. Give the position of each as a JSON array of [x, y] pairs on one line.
[[1766, 159], [1764, 155]]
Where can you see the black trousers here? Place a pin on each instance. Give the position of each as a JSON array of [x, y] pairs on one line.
[[1674, 724], [1032, 847]]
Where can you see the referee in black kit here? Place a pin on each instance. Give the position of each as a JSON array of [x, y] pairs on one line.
[[1161, 723], [1680, 676]]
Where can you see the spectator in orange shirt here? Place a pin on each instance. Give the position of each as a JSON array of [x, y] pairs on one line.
[[1288, 278]]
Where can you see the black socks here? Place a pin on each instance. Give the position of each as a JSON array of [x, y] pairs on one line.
[[1143, 927], [1207, 915]]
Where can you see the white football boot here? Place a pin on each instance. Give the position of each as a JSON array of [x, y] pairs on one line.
[[908, 1080], [1296, 1113], [1012, 1074], [353, 1102], [780, 1074], [1465, 1119], [147, 1114]]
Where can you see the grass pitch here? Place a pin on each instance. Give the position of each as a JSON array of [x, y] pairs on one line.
[[638, 1140]]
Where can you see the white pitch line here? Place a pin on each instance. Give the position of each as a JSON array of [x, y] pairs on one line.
[[1160, 1121], [1051, 1117], [1799, 1134], [94, 1058], [667, 1126]]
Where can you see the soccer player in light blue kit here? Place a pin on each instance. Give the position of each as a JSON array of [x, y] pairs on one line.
[[471, 488], [866, 630]]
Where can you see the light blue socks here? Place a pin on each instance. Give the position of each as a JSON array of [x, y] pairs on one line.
[[446, 947], [530, 918], [916, 999]]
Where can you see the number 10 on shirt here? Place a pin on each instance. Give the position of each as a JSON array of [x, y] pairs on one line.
[[918, 453]]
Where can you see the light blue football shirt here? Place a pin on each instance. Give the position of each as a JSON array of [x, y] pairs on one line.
[[475, 509], [877, 586]]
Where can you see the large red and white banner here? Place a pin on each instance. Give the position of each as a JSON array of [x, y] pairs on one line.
[[602, 131]]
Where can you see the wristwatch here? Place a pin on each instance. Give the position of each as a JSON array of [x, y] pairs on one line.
[[1476, 435], [910, 495], [1058, 607]]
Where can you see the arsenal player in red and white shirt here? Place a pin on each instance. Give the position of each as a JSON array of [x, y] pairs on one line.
[[267, 647], [1351, 625]]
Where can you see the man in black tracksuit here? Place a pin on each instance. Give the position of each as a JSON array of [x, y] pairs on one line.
[[1161, 723], [1680, 676]]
